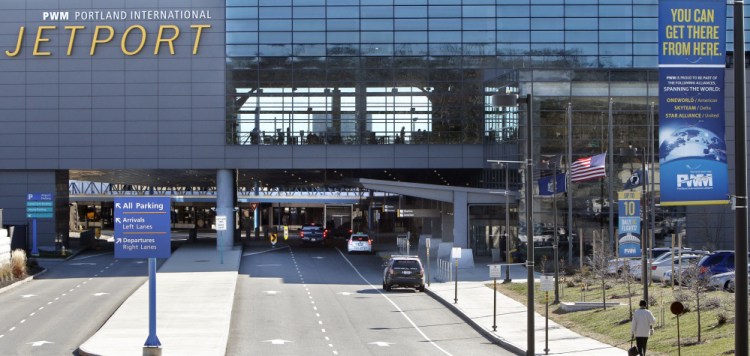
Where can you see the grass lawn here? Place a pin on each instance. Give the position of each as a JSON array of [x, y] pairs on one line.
[[612, 326]]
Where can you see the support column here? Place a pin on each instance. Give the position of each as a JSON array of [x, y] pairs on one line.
[[225, 188], [460, 219]]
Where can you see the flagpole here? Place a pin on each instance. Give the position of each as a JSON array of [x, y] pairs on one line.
[[610, 178], [568, 186], [557, 241]]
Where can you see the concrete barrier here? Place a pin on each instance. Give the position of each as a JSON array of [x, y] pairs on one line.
[[444, 250], [4, 248], [579, 306]]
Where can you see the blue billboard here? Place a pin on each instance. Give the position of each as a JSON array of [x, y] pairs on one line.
[[629, 224], [692, 148], [143, 227]]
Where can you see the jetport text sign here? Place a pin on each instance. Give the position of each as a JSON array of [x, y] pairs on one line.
[[142, 227], [71, 30]]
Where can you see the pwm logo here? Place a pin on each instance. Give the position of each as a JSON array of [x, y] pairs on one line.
[[695, 180], [55, 16]]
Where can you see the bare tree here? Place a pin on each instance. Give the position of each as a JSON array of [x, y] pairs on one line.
[[696, 283], [628, 276], [599, 269]]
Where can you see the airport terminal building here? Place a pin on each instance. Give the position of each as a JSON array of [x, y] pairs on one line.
[[239, 98]]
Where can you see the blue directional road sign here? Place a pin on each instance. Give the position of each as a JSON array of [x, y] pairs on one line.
[[40, 206], [142, 227]]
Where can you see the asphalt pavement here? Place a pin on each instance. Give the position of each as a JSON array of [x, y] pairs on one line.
[[196, 287]]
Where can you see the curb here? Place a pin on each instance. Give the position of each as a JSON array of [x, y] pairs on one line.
[[486, 333], [23, 281]]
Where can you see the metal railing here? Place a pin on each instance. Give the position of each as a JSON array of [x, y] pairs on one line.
[[444, 270]]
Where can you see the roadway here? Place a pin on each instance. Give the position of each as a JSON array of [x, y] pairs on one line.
[[320, 301], [58, 310]]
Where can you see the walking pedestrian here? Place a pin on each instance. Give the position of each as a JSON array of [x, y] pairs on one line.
[[642, 327]]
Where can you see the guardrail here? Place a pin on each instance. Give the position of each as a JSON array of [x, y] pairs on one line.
[[404, 246], [444, 270]]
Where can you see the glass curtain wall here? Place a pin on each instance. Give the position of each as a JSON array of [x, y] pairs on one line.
[[408, 71]]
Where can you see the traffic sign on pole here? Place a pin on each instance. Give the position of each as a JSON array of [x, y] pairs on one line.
[[38, 206], [142, 227]]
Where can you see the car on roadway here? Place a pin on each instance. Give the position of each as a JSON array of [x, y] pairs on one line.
[[313, 234], [359, 242], [403, 271]]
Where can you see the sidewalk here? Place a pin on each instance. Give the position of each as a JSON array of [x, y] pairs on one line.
[[475, 302], [195, 293]]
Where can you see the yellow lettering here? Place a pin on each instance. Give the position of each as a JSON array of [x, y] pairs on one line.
[[125, 38], [704, 15], [96, 39], [73, 30], [676, 48], [169, 41], [673, 31], [198, 36], [18, 44], [40, 39]]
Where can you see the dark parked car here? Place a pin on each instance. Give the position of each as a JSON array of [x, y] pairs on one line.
[[403, 271], [313, 234], [717, 262]]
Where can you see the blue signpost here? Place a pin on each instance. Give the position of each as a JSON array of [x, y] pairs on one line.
[[142, 230], [38, 206], [629, 229]]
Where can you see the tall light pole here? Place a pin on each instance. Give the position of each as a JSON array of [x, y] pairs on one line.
[[513, 100], [505, 164], [740, 183]]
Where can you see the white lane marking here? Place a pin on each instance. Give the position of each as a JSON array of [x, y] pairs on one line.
[[39, 343], [22, 321], [427, 338], [320, 322], [28, 296], [85, 257], [99, 294], [344, 293], [40, 308], [11, 329], [83, 264], [315, 308], [32, 314], [323, 330], [271, 292], [259, 252], [381, 343], [277, 341], [1, 336]]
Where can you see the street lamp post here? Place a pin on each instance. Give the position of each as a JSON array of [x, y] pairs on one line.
[[740, 182], [506, 165], [513, 100]]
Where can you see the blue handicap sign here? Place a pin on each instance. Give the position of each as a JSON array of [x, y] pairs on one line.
[[143, 227]]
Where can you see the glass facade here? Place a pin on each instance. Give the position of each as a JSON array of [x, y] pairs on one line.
[[423, 72], [408, 71]]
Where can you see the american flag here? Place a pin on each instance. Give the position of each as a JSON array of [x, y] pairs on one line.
[[588, 168]]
